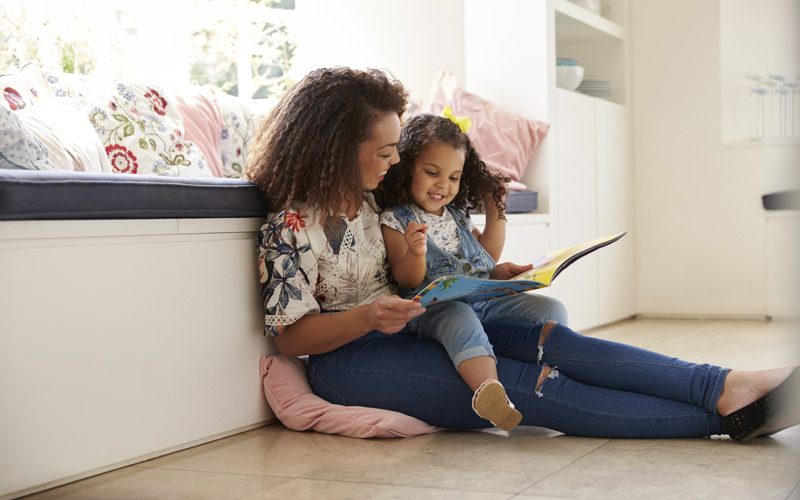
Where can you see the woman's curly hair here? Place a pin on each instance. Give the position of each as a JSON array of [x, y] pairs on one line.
[[307, 147], [477, 182]]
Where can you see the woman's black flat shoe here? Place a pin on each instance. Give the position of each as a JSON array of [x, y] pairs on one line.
[[775, 411]]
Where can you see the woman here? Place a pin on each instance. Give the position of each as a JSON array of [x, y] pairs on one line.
[[327, 293]]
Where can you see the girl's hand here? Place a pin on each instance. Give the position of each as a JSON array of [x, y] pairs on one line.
[[489, 198], [391, 314], [508, 270], [417, 238]]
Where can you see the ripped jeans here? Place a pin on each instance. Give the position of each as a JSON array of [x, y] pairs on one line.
[[596, 387], [459, 326]]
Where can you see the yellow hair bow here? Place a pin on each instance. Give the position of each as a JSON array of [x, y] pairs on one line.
[[463, 122]]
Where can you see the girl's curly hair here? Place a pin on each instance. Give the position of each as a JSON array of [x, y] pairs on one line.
[[307, 147], [477, 182]]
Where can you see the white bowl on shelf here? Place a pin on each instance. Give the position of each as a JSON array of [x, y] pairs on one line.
[[569, 77]]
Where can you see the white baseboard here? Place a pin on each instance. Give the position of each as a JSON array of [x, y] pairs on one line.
[[705, 317]]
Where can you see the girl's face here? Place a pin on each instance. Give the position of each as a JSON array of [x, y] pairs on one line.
[[378, 153], [436, 176]]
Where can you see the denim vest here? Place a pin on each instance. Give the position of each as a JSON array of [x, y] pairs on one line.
[[471, 259]]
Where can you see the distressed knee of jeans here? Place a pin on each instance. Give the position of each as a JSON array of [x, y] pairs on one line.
[[553, 374], [541, 354]]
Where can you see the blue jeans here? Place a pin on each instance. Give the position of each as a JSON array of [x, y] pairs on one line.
[[598, 388], [458, 326]]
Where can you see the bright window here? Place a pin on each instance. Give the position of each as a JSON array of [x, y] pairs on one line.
[[244, 47]]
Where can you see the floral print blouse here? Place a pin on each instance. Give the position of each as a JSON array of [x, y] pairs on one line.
[[310, 265]]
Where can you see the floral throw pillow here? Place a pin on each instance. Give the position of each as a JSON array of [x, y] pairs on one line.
[[241, 119], [256, 110], [23, 89], [71, 85], [139, 125], [234, 135]]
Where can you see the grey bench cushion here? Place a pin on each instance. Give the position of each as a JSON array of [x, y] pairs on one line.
[[40, 195]]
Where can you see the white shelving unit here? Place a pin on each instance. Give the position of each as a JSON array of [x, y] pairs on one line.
[[583, 170], [597, 43]]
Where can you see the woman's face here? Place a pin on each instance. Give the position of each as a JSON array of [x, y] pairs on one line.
[[436, 177], [379, 152]]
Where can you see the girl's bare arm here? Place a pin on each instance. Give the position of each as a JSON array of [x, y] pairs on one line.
[[493, 237], [406, 253]]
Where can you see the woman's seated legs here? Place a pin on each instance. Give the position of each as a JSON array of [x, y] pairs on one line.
[[610, 364], [415, 376], [399, 372]]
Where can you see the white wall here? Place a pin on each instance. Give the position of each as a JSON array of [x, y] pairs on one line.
[[414, 39], [700, 223], [759, 38]]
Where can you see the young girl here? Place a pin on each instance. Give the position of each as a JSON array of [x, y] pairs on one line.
[[429, 234]]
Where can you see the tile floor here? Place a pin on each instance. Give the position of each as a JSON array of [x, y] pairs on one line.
[[527, 463]]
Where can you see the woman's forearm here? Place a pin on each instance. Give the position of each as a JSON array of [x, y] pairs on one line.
[[320, 333]]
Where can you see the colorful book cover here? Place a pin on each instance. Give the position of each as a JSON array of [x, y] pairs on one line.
[[545, 269]]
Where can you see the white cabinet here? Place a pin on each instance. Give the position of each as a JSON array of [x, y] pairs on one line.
[[615, 212], [576, 197], [527, 237], [595, 198]]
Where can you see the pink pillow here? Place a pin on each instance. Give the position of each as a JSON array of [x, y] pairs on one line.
[[297, 407], [202, 123], [505, 141]]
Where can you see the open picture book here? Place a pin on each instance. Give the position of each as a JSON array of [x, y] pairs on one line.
[[545, 269]]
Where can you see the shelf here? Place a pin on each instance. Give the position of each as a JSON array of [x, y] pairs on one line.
[[576, 24], [587, 96]]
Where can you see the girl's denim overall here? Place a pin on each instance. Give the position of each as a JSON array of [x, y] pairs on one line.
[[458, 326]]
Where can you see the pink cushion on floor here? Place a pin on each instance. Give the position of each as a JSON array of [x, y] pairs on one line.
[[290, 396]]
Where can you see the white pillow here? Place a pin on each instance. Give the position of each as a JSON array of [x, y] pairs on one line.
[[63, 127]]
